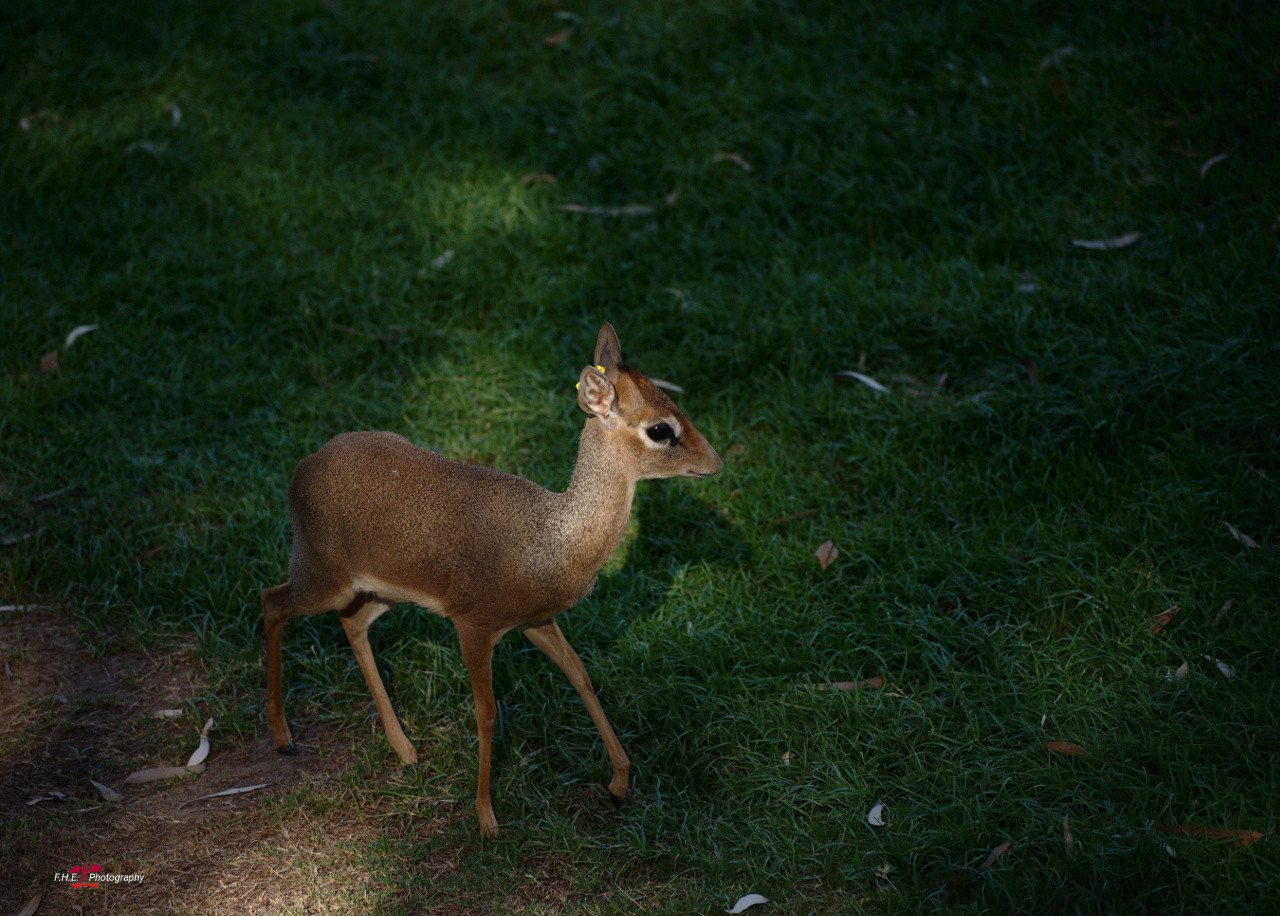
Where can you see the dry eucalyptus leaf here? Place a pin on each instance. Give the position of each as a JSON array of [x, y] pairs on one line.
[[443, 259], [32, 905], [1182, 670], [1222, 611], [669, 386], [1222, 666], [1157, 622], [1067, 838], [48, 796], [867, 683], [865, 379], [107, 792], [166, 713], [1239, 837], [78, 332], [1055, 57], [1235, 532], [876, 816], [737, 160], [235, 791], [628, 210], [153, 774], [554, 41], [1212, 161], [995, 854], [1065, 747], [201, 751], [746, 902], [826, 554], [1120, 241]]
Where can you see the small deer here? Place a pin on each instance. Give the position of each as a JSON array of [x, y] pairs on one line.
[[378, 521]]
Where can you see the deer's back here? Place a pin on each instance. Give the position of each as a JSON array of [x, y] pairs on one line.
[[390, 514]]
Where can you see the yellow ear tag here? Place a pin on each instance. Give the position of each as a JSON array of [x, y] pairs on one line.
[[577, 385], [600, 369]]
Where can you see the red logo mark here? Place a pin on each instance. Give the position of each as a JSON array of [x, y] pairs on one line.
[[84, 872]]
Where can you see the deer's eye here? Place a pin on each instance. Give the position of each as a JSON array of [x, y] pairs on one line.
[[660, 432]]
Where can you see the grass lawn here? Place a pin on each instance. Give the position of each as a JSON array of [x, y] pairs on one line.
[[290, 219]]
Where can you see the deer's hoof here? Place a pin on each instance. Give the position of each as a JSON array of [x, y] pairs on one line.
[[616, 799], [289, 749]]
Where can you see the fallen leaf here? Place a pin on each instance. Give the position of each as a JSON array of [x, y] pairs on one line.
[[876, 816], [554, 41], [48, 796], [26, 122], [1065, 747], [235, 791], [1067, 838], [22, 607], [107, 792], [443, 259], [1212, 161], [669, 386], [175, 113], [1120, 241], [537, 178], [871, 683], [49, 362], [1239, 837], [1222, 666], [786, 758], [995, 854], [826, 554], [628, 210], [1235, 532], [1222, 612], [166, 713], [1182, 670], [1055, 57], [746, 902], [672, 197], [734, 158], [151, 552], [32, 905], [202, 751], [152, 774], [78, 332], [1157, 622], [865, 379]]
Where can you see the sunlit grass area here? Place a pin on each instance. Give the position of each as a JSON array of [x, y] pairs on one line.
[[286, 220]]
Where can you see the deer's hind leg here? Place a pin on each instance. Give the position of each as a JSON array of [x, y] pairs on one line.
[[278, 605], [357, 617]]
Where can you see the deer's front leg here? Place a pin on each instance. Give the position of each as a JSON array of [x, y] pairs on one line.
[[477, 654], [547, 637]]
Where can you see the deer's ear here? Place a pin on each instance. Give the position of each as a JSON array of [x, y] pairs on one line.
[[608, 352], [596, 394]]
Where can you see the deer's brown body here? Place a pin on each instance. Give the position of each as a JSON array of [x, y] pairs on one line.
[[378, 521]]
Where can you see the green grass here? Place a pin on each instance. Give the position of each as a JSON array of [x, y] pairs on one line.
[[263, 274]]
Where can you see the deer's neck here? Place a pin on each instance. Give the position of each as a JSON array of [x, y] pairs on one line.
[[597, 504]]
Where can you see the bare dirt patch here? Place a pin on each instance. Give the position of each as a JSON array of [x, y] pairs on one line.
[[67, 717]]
